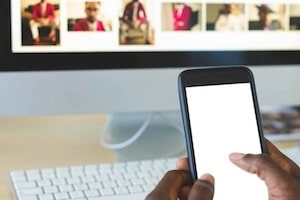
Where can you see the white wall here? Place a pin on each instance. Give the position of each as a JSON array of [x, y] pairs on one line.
[[67, 92], [278, 85]]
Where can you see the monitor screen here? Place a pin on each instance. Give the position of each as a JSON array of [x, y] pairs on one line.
[[68, 34]]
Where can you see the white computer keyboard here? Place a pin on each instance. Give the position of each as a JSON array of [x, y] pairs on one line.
[[124, 180], [112, 181]]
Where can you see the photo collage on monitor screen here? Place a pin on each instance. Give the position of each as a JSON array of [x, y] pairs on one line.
[[148, 25]]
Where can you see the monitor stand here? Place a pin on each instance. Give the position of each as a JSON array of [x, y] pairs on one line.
[[144, 135]]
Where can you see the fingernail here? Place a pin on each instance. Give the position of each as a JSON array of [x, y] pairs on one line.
[[207, 177], [204, 176], [236, 156]]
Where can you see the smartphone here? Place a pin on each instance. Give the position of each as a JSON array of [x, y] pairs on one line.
[[221, 115]]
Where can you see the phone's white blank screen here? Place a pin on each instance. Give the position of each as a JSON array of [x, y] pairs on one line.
[[222, 121]]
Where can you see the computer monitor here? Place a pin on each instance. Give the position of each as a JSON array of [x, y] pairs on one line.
[[165, 34], [92, 67], [133, 67]]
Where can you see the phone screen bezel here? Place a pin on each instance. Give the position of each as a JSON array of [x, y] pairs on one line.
[[213, 76]]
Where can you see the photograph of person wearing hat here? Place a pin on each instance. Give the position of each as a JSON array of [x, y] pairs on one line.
[[267, 17]]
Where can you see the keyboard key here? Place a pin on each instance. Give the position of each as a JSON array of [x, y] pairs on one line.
[[73, 180], [59, 181], [80, 187], [61, 196], [103, 177], [76, 194], [138, 181], [94, 186], [28, 198], [91, 193], [22, 185], [18, 176], [42, 183], [46, 197], [29, 191], [48, 173], [33, 175], [123, 182], [50, 189], [135, 189], [106, 191], [65, 188], [121, 190], [109, 184], [88, 179]]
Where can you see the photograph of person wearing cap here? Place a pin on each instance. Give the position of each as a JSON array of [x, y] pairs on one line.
[[267, 17]]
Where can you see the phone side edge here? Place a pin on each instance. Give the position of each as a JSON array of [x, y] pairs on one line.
[[257, 110], [186, 125]]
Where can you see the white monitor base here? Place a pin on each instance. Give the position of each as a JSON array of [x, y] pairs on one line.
[[145, 135]]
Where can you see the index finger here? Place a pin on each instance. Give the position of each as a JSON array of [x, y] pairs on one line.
[[170, 185]]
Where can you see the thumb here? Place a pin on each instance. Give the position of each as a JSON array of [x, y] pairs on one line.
[[261, 165], [203, 188]]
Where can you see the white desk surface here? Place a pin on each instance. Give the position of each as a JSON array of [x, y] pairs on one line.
[[36, 142]]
